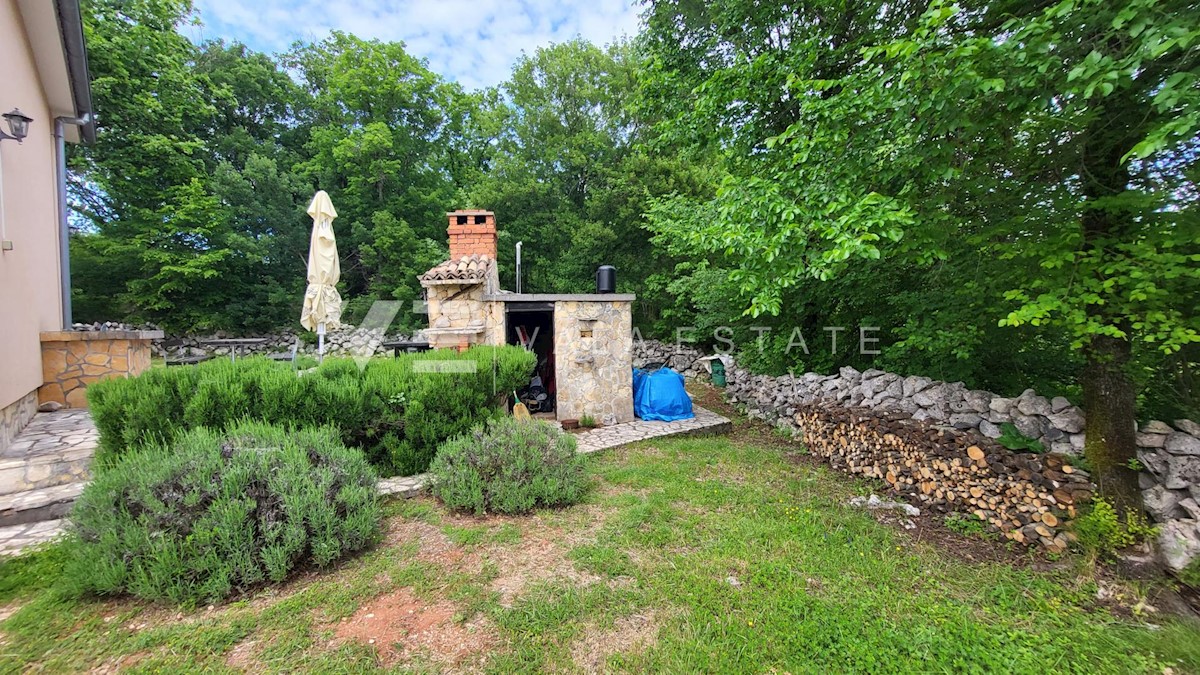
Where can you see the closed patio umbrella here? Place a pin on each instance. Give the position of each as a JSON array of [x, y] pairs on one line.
[[322, 304]]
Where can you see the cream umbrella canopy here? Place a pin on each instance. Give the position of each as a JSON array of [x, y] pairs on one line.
[[322, 304]]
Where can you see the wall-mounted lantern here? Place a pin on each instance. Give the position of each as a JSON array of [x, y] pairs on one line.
[[18, 125]]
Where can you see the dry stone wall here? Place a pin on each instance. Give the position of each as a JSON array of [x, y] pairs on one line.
[[1170, 481], [681, 358], [345, 341], [1169, 455]]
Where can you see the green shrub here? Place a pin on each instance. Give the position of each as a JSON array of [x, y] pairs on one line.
[[219, 512], [964, 524], [1101, 532], [511, 466], [396, 410], [1190, 575], [1013, 439]]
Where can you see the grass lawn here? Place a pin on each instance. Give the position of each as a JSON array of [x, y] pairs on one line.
[[690, 555]]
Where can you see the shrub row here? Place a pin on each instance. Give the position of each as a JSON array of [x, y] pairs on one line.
[[219, 512], [397, 411]]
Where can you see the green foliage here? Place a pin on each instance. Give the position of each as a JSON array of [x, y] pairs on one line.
[[1101, 532], [911, 166], [964, 524], [396, 410], [1013, 439], [1040, 156], [509, 466], [1190, 575], [588, 422], [570, 175], [217, 513]]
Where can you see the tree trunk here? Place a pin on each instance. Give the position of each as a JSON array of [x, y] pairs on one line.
[[1109, 400], [1109, 405]]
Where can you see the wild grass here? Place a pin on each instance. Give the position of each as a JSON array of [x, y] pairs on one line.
[[731, 558]]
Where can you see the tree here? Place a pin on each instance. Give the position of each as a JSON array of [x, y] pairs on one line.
[[570, 177], [377, 145], [960, 132]]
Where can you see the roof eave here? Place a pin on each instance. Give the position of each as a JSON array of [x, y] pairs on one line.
[[70, 25]]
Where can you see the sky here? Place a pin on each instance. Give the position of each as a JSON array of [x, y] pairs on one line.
[[474, 42]]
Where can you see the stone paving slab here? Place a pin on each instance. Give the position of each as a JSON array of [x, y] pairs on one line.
[[41, 504], [403, 486], [705, 422]]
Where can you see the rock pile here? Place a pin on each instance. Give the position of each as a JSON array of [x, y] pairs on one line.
[[345, 341], [112, 325], [1055, 423]]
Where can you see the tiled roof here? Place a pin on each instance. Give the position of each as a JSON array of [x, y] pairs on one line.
[[467, 269]]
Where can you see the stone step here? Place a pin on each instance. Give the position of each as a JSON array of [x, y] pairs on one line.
[[17, 538], [18, 476], [403, 486], [53, 449], [42, 504]]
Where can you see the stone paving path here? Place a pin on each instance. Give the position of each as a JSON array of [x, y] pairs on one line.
[[76, 432], [705, 422], [17, 538], [53, 449]]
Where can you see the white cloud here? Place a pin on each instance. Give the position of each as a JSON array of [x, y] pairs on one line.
[[472, 41]]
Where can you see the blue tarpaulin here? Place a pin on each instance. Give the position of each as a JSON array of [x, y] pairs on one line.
[[659, 395]]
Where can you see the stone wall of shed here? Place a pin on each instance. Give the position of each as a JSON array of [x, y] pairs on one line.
[[593, 343]]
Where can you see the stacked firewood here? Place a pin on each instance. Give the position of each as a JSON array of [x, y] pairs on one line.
[[1028, 497]]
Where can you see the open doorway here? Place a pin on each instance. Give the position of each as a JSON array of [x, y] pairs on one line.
[[531, 325]]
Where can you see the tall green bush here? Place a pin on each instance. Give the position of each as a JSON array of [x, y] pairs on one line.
[[396, 410], [511, 466], [219, 512]]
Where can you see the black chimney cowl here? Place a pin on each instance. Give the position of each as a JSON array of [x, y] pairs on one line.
[[606, 279]]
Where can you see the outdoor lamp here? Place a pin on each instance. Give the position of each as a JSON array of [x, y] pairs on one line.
[[18, 125]]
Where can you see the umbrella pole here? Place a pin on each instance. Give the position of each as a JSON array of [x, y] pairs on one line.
[[320, 342]]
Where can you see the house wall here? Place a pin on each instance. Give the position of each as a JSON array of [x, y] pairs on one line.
[[29, 273], [593, 352]]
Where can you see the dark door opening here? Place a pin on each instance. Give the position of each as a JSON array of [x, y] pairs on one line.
[[531, 325]]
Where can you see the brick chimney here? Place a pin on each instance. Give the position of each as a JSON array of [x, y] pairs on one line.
[[472, 232]]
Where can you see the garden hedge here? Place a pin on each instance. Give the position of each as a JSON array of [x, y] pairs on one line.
[[217, 512], [396, 410]]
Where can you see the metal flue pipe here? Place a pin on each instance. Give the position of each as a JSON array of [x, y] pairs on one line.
[[519, 266]]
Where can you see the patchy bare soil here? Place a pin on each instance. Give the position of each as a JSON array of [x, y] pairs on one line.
[[536, 560], [242, 656], [628, 635], [402, 626]]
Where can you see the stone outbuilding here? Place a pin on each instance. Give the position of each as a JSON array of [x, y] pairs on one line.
[[584, 342]]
